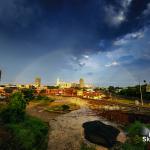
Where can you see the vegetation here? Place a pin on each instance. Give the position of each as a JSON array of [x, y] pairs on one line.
[[52, 87], [59, 108], [30, 134], [29, 94], [26, 133], [15, 111], [86, 147], [134, 92], [65, 107], [130, 92], [135, 141], [41, 97]]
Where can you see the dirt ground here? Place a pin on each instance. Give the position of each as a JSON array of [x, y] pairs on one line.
[[66, 132]]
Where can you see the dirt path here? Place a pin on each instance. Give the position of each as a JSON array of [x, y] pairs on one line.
[[66, 130]]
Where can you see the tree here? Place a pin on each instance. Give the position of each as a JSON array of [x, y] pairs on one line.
[[28, 94], [15, 111], [111, 89]]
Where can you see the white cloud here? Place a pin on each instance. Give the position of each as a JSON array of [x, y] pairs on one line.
[[114, 17], [89, 63], [114, 63], [116, 54], [120, 42], [127, 38], [86, 56]]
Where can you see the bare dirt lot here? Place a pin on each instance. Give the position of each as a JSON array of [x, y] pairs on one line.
[[66, 132]]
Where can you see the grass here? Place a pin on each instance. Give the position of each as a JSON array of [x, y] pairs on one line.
[[43, 100], [41, 97], [62, 108], [30, 134], [86, 147], [128, 101], [58, 108]]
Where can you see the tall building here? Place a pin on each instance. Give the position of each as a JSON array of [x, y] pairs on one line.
[[37, 82], [81, 83], [62, 84], [57, 82]]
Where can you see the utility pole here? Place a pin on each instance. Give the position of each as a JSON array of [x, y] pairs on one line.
[[141, 95]]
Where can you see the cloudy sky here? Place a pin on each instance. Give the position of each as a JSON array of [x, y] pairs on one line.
[[106, 42]]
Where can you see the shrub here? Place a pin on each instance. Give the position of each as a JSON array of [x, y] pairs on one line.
[[15, 111], [135, 141], [28, 94], [65, 107], [29, 135], [134, 129]]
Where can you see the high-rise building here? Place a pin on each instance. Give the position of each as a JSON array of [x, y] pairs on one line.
[[57, 82], [81, 83], [37, 82], [62, 84]]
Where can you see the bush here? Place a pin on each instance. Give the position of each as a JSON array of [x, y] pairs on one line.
[[27, 133], [31, 134], [15, 111], [135, 128], [28, 94], [135, 141], [65, 107]]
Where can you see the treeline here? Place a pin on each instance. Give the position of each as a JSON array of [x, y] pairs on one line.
[[131, 92]]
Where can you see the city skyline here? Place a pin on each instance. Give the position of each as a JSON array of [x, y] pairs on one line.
[[105, 42]]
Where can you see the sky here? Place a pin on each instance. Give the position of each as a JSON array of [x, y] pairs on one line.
[[106, 42]]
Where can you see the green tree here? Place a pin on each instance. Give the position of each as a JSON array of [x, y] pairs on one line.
[[15, 111], [28, 94], [111, 89]]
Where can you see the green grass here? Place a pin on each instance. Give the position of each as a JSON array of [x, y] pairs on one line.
[[59, 108], [31, 134], [41, 97], [86, 147], [43, 100]]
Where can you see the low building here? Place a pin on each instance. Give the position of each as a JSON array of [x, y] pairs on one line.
[[80, 92], [93, 95]]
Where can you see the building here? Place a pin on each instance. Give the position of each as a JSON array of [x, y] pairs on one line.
[[62, 84], [148, 88], [37, 82], [81, 83], [80, 92]]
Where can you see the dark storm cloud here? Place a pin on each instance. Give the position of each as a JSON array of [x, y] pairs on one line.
[[80, 25]]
